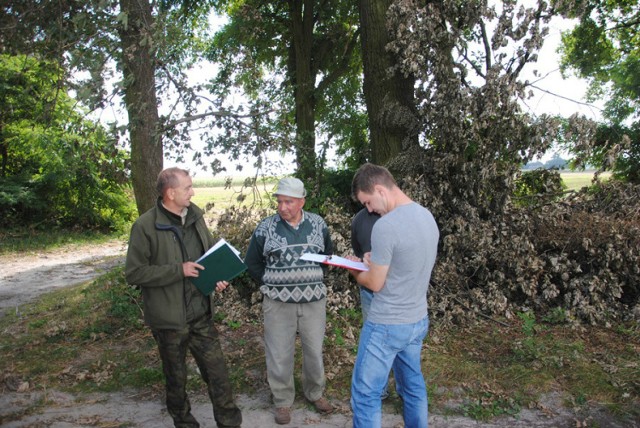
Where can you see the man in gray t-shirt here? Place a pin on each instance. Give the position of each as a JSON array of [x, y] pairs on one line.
[[404, 245]]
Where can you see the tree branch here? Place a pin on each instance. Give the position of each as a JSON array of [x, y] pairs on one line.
[[344, 63], [487, 46], [235, 116], [563, 97]]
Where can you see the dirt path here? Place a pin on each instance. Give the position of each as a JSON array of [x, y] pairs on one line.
[[128, 409], [24, 278]]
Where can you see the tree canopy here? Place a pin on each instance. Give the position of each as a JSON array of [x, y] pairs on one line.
[[299, 63], [298, 76], [58, 168], [604, 47]]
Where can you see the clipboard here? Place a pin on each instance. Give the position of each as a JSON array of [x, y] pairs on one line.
[[334, 261]]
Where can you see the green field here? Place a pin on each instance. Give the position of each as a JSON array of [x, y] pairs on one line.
[[216, 192], [209, 191], [578, 180]]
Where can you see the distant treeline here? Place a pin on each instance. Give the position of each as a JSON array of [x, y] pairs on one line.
[[554, 163]]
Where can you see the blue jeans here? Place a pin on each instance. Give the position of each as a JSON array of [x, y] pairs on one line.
[[381, 347], [366, 297]]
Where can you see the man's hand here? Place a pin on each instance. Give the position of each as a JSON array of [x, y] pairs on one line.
[[191, 269], [374, 278], [221, 285], [353, 272], [367, 259]]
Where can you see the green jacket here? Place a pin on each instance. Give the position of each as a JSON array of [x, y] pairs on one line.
[[154, 263]]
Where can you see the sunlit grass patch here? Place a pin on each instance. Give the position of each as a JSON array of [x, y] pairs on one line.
[[579, 179], [218, 194], [29, 240]]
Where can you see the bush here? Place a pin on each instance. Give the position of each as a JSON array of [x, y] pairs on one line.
[[575, 260], [336, 187], [579, 256], [58, 169], [531, 186]]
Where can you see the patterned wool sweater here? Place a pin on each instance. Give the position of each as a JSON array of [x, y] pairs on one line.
[[273, 258]]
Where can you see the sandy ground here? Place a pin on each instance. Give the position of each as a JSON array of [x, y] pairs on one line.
[[24, 278], [129, 410]]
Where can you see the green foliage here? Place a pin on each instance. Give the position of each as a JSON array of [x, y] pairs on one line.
[[529, 348], [147, 376], [59, 169], [122, 302], [540, 184], [626, 139], [488, 406], [267, 65], [335, 185], [556, 316], [604, 47]]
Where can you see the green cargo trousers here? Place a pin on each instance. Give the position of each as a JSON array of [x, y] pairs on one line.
[[200, 337]]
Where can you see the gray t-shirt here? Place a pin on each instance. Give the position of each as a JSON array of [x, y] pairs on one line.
[[406, 240]]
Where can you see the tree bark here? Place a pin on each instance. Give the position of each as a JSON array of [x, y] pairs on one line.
[[138, 68], [304, 87], [389, 97]]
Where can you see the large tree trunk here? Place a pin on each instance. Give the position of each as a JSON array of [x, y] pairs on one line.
[[138, 67], [4, 152], [304, 87], [389, 98]]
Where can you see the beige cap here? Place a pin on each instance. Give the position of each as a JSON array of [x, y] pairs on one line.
[[290, 186]]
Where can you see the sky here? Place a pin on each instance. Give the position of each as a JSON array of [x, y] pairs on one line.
[[565, 96], [556, 96]]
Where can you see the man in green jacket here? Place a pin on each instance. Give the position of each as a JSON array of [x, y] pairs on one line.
[[163, 245]]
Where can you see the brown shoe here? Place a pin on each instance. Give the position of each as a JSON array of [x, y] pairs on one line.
[[283, 415], [323, 406]]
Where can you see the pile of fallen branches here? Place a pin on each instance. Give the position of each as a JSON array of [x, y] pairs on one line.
[[577, 258]]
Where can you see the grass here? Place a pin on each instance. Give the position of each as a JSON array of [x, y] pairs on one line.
[[19, 241], [220, 194], [91, 338], [579, 179], [492, 371]]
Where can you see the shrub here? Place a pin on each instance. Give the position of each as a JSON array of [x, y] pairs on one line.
[[576, 260], [531, 186]]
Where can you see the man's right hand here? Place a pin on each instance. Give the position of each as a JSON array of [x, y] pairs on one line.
[[367, 259], [191, 269]]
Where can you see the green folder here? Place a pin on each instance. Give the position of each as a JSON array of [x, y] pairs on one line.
[[221, 263]]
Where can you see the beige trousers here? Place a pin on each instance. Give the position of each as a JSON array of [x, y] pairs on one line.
[[282, 321]]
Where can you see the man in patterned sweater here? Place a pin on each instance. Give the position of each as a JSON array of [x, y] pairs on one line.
[[294, 296]]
